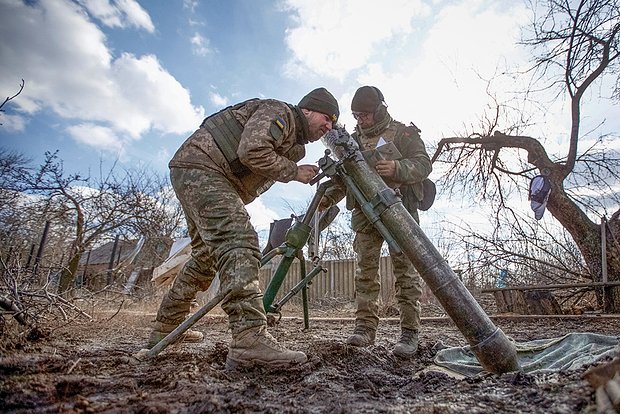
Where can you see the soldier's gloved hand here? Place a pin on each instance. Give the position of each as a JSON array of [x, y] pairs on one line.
[[306, 172], [386, 168], [325, 203]]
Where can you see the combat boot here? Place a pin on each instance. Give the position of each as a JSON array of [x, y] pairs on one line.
[[256, 346], [363, 335], [161, 330], [407, 345]]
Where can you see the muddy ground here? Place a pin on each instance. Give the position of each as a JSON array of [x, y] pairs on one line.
[[89, 367]]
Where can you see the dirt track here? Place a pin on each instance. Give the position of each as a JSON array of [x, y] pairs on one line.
[[89, 367]]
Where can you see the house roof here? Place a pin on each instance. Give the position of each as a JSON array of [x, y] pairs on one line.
[[102, 254]]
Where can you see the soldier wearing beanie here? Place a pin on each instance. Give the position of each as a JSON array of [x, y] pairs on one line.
[[234, 156], [368, 99], [320, 100], [375, 126]]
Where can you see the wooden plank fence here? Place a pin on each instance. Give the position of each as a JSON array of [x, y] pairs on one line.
[[338, 282]]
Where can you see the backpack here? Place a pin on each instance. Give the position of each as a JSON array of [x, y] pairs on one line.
[[430, 190]]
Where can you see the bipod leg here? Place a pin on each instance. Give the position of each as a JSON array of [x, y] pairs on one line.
[[271, 254], [276, 282], [187, 323], [299, 286], [304, 294], [296, 238]]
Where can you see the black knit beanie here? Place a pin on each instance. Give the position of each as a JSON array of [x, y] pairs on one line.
[[366, 99], [321, 100]]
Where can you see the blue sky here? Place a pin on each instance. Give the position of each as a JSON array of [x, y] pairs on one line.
[[130, 80]]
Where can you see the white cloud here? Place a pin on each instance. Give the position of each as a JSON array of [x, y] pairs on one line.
[[334, 37], [69, 69], [200, 45], [163, 156], [260, 215], [12, 123], [190, 4], [96, 136], [151, 97], [136, 15], [218, 100], [119, 13]]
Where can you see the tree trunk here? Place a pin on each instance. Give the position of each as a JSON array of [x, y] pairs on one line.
[[587, 237], [613, 264], [67, 277]]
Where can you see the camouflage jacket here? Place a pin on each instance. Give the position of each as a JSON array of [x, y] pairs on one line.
[[414, 166], [270, 146]]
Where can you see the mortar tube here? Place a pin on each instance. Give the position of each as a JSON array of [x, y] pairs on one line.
[[496, 353]]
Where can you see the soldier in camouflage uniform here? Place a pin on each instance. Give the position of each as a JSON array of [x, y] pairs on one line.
[[236, 155], [406, 174]]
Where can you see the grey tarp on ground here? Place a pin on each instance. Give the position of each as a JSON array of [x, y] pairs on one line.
[[569, 352]]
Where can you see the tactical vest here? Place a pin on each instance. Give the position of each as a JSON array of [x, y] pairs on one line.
[[226, 131], [410, 200]]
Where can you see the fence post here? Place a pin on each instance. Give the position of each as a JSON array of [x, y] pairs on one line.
[[30, 255], [606, 289], [83, 282], [37, 259], [111, 263], [604, 248]]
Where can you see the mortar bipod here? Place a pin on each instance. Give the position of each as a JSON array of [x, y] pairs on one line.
[[295, 239]]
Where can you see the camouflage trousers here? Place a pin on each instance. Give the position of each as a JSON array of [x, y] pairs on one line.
[[367, 246], [223, 240]]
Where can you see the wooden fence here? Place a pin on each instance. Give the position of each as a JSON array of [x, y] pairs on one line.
[[337, 282]]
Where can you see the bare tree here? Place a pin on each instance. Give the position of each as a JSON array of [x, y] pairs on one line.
[[14, 167], [134, 202], [337, 239], [576, 45], [9, 98]]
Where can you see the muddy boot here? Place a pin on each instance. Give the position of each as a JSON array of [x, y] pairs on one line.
[[161, 330], [407, 345], [363, 335], [256, 346]]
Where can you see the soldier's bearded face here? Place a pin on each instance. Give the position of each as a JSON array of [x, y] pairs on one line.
[[318, 125]]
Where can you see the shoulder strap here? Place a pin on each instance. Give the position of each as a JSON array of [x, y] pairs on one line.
[[356, 137], [403, 129], [302, 124]]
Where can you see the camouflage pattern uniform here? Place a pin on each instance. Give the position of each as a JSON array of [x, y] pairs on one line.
[[213, 198], [411, 170]]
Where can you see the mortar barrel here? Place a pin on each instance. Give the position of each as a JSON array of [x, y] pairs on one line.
[[493, 349]]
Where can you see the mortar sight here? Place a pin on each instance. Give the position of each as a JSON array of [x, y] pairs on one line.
[[340, 141]]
